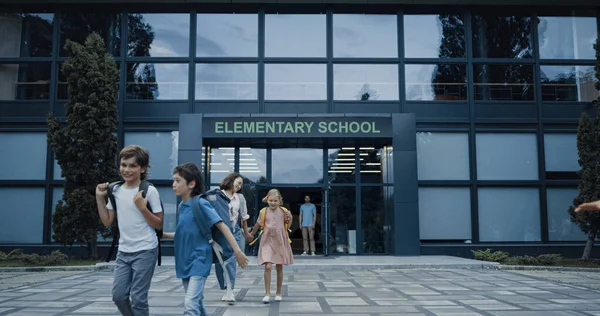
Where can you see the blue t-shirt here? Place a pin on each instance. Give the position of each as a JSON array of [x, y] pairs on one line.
[[308, 214], [193, 253]]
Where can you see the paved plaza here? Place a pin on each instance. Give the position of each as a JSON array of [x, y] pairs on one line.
[[323, 291]]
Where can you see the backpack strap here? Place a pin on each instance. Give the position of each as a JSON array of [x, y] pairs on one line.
[[115, 230], [200, 218]]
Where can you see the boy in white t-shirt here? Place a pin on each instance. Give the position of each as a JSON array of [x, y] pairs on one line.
[[138, 244]]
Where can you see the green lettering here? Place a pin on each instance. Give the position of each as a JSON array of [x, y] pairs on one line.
[[237, 127], [289, 128], [280, 127], [260, 127], [343, 127], [227, 129], [299, 127], [218, 127], [309, 126], [331, 129], [322, 127], [270, 127], [248, 127], [354, 127], [365, 127], [374, 129]]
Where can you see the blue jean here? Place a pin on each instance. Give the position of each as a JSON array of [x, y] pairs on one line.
[[231, 263], [194, 294], [132, 278]]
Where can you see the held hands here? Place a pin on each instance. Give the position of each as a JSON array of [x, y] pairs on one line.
[[140, 202], [590, 206], [101, 190], [241, 259], [248, 236]]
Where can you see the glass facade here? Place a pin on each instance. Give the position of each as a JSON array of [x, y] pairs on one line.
[[496, 97]]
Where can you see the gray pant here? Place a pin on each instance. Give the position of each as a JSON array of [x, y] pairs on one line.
[[133, 274]]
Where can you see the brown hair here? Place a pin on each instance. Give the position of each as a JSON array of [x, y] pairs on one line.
[[141, 155], [227, 183], [190, 172], [273, 192]]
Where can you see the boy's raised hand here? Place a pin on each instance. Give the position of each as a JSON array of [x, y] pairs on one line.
[[101, 189], [590, 206], [140, 201]]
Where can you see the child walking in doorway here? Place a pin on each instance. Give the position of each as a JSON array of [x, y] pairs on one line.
[[274, 244]]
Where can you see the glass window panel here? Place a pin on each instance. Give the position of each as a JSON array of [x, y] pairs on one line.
[[436, 82], [22, 81], [560, 227], [365, 82], [76, 26], [295, 35], [506, 156], [26, 34], [163, 150], [227, 35], [365, 35], [443, 156], [375, 164], [62, 89], [26, 227], [169, 207], [226, 81], [19, 162], [157, 81], [221, 162], [434, 36], [569, 83], [297, 165], [377, 209], [342, 165], [567, 37], [253, 164], [295, 82], [450, 222], [158, 35], [342, 207], [504, 82], [497, 36], [560, 152], [509, 214]]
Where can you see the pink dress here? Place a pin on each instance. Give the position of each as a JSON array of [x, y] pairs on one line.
[[274, 245]]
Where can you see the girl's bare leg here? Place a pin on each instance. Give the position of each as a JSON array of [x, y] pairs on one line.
[[267, 279], [279, 268]]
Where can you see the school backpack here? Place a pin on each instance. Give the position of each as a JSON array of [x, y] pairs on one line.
[[261, 222], [144, 185], [222, 250]]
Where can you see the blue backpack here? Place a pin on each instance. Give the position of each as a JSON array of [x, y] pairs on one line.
[[222, 250]]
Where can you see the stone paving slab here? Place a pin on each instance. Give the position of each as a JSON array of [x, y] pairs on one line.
[[364, 292]]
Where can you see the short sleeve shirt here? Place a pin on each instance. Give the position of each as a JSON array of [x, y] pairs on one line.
[[193, 253], [308, 214]]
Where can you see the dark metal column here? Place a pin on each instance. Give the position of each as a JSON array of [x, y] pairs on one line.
[[190, 139]]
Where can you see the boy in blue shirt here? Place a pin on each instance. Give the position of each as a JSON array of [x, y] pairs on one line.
[[193, 253], [308, 219]]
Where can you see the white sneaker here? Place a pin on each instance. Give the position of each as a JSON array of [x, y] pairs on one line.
[[304, 254], [224, 298], [266, 299], [278, 298], [313, 254], [230, 297]]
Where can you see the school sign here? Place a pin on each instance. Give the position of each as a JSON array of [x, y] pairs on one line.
[[297, 127]]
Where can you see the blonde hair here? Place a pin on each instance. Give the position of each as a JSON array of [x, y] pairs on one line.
[[273, 192]]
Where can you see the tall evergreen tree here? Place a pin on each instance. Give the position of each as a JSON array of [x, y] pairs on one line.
[[588, 145], [85, 148]]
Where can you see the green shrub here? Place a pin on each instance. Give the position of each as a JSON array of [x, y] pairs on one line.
[[488, 255], [523, 261], [550, 259], [53, 259]]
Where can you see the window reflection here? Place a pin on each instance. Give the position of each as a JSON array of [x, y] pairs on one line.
[[365, 82], [377, 207], [26, 35], [227, 35], [147, 81], [567, 37], [434, 36], [295, 35], [436, 82], [568, 83], [29, 81], [77, 26], [375, 164], [365, 35], [158, 35], [253, 164], [226, 81], [295, 82], [342, 165], [221, 162], [297, 165], [342, 207], [504, 82], [502, 36]]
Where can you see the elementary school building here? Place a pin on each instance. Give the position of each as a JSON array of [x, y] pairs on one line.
[[416, 127]]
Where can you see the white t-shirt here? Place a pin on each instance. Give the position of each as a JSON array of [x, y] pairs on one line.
[[135, 233]]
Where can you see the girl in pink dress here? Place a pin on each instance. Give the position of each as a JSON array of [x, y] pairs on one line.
[[274, 244]]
